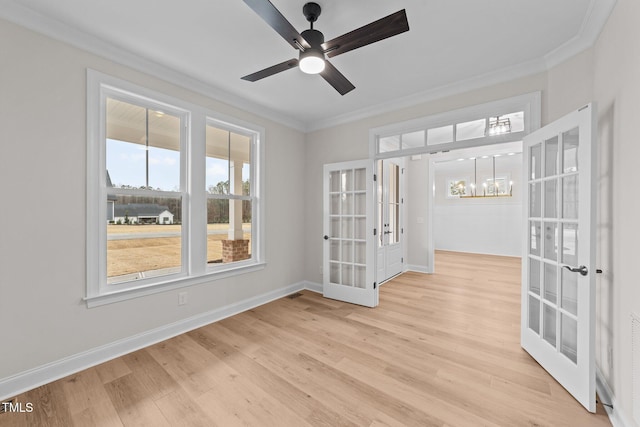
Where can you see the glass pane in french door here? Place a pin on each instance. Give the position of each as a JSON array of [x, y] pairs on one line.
[[347, 219], [568, 210], [393, 201], [536, 237], [553, 238]]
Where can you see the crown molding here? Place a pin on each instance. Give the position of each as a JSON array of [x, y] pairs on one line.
[[594, 21], [597, 14], [451, 89], [23, 16]]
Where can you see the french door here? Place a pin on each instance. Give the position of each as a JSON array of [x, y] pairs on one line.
[[389, 208], [558, 271], [348, 256]]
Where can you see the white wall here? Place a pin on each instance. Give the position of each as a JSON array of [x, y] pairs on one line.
[[478, 225], [416, 207], [42, 251], [616, 89], [609, 74]]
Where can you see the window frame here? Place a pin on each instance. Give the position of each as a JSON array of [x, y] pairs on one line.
[[253, 192], [529, 104], [184, 116], [192, 190]]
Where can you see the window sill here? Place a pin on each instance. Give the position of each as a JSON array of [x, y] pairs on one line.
[[127, 294]]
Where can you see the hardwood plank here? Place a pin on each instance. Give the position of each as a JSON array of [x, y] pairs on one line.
[[112, 370], [88, 400], [149, 374], [286, 388], [180, 409], [187, 363], [440, 350], [133, 402]]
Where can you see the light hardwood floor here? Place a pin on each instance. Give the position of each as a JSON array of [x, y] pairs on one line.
[[440, 350]]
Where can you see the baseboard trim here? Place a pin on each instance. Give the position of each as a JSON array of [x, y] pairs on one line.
[[30, 379], [418, 268], [313, 286], [606, 395]]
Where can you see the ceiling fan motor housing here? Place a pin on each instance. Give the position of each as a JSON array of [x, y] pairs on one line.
[[314, 37], [311, 11]]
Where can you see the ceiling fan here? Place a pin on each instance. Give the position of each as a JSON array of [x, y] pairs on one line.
[[312, 46]]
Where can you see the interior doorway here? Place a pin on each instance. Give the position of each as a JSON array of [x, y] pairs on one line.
[[475, 200], [496, 122]]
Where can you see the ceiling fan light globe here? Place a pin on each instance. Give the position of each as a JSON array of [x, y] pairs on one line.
[[311, 62]]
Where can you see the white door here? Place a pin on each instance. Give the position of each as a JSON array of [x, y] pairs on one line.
[[348, 265], [558, 271], [389, 207]]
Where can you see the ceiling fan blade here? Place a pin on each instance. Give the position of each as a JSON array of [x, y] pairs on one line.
[[275, 69], [381, 29], [336, 79], [272, 16]]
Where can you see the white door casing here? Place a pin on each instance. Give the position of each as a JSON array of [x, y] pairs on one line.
[[349, 241], [389, 204], [558, 264]]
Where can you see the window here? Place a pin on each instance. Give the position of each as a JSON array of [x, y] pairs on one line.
[[144, 145], [389, 143], [471, 130], [413, 139], [440, 135], [172, 193], [229, 195], [494, 122]]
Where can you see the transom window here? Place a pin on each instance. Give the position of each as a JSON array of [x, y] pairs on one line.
[[463, 131], [490, 123]]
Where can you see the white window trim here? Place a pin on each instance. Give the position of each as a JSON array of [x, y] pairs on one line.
[[194, 232], [255, 170], [530, 103]]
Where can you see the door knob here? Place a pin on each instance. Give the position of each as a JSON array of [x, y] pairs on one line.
[[326, 237], [582, 269]]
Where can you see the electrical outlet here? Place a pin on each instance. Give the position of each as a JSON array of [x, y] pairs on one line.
[[182, 298]]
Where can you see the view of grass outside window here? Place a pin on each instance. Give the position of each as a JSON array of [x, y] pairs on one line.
[[173, 191], [144, 197], [229, 196]]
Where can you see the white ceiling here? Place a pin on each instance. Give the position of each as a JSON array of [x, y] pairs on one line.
[[452, 45]]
